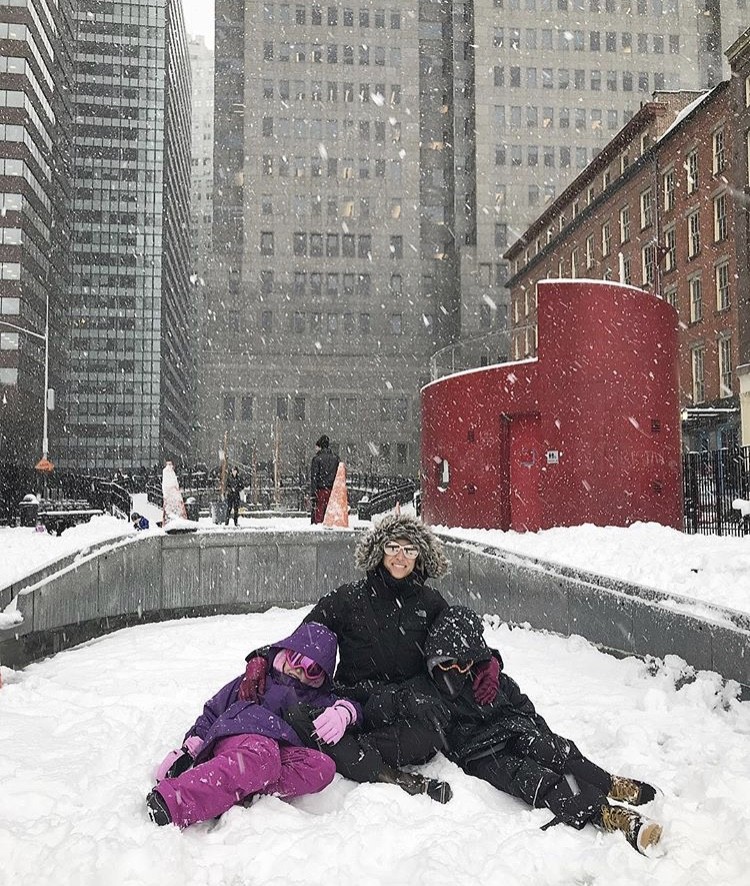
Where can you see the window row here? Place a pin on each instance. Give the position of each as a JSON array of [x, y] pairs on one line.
[[579, 79], [331, 91], [331, 15], [283, 127], [548, 156], [351, 247], [628, 7], [346, 207], [532, 117], [316, 53], [342, 168], [243, 407], [317, 322], [725, 367], [564, 39]]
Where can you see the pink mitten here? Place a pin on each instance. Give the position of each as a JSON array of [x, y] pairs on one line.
[[193, 745], [253, 684], [167, 763], [332, 723]]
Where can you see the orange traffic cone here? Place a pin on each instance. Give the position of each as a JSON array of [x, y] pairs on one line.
[[337, 511]]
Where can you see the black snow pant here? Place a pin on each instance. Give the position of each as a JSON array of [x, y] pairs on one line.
[[233, 508], [361, 756], [547, 771]]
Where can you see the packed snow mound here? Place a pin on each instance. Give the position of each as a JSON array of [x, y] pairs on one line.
[[81, 734]]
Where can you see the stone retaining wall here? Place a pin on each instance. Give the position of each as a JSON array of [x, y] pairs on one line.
[[157, 577]]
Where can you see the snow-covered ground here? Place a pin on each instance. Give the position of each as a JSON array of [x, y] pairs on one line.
[[82, 732]]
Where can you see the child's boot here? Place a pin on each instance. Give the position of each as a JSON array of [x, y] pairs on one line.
[[413, 784], [639, 832], [158, 811], [631, 791]]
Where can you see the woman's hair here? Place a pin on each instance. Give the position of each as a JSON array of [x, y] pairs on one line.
[[432, 561]]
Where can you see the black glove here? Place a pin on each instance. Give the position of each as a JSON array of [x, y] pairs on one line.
[[422, 710]]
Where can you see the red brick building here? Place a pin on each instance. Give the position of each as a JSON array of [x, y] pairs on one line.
[[657, 209], [739, 60]]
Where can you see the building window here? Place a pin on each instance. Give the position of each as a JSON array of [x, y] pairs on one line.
[[646, 209], [725, 367], [670, 249], [670, 297], [397, 246], [719, 154], [699, 387], [396, 324], [299, 243], [669, 180], [691, 169], [247, 408], [606, 239], [694, 234], [589, 252], [228, 407], [720, 218], [624, 224], [648, 264], [266, 243], [696, 299], [574, 263], [282, 408], [627, 274], [721, 274], [266, 321]]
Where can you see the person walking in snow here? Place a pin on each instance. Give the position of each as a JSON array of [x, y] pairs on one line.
[[235, 485], [238, 748], [381, 622], [508, 744], [322, 474]]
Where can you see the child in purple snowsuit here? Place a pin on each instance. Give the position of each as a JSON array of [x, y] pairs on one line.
[[238, 748]]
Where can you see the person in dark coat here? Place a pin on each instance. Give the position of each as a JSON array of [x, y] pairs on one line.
[[239, 748], [323, 469], [235, 485], [507, 743], [381, 622]]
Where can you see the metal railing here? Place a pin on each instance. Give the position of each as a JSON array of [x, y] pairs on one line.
[[712, 480]]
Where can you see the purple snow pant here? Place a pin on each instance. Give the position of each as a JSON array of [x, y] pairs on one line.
[[242, 765]]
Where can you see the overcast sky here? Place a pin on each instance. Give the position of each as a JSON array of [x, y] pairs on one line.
[[199, 17]]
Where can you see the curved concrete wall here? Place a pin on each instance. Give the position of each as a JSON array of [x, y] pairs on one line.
[[158, 577]]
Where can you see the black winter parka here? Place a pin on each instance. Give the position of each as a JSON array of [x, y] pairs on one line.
[[472, 730], [382, 626]]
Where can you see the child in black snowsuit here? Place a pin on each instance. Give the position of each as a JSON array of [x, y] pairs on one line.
[[508, 744]]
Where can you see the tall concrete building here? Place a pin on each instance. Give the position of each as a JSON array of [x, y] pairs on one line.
[[334, 229], [35, 138], [372, 164], [202, 153], [130, 312]]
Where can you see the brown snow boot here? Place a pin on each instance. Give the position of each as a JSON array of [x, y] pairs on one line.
[[639, 832], [413, 783], [631, 791]]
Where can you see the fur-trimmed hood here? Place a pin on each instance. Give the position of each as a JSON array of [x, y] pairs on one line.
[[432, 562]]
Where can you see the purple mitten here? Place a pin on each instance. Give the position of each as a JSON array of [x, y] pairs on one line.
[[253, 684], [332, 723], [487, 681], [167, 763]]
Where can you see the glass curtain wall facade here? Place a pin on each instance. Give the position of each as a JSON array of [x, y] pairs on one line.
[[35, 139], [129, 312]]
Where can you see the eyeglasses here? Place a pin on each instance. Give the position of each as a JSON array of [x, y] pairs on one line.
[[297, 661], [392, 548], [455, 666]]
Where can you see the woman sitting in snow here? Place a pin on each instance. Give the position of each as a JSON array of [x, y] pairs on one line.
[[239, 748], [508, 744]]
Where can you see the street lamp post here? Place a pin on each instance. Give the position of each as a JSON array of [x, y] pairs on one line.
[[44, 464]]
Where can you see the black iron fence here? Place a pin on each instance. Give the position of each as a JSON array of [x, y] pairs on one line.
[[712, 481]]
